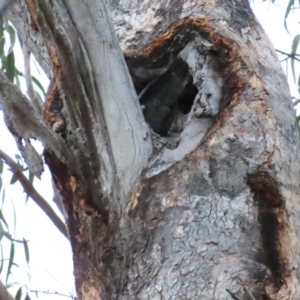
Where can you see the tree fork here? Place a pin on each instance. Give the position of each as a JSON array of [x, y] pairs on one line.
[[195, 228]]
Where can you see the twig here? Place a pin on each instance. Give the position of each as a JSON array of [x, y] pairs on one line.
[[33, 193], [30, 90], [232, 295], [250, 294], [294, 55], [51, 293], [4, 294]]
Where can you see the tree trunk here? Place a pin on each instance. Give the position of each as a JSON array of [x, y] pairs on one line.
[[216, 216]]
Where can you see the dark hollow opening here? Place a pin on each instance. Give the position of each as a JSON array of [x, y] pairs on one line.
[[165, 92]]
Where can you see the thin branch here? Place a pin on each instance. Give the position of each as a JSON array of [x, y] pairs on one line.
[[250, 294], [4, 294], [232, 295], [25, 122], [33, 193], [294, 55], [37, 103], [51, 293]]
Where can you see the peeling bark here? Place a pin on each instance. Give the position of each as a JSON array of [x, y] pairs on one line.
[[215, 218]]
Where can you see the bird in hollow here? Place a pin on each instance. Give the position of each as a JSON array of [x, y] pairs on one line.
[[160, 97]]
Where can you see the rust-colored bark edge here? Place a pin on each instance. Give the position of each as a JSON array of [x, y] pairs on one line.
[[273, 225]]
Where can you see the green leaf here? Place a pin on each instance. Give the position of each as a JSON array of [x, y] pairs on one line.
[[2, 56], [18, 72], [12, 37], [2, 260], [295, 44], [11, 259], [20, 41], [1, 166], [19, 294], [17, 80], [2, 232], [9, 237], [2, 40], [3, 219], [14, 216], [5, 22], [39, 85], [296, 102], [287, 12], [39, 96], [13, 180], [10, 66], [1, 26], [3, 197], [26, 250], [31, 177], [27, 297], [18, 157], [8, 286], [294, 50]]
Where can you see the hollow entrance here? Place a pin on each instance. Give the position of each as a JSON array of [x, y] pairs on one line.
[[167, 97]]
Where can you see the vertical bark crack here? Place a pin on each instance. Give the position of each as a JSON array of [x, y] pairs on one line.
[[273, 227]]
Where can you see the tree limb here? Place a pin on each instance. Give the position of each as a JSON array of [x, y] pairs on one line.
[[33, 194], [99, 89], [24, 122]]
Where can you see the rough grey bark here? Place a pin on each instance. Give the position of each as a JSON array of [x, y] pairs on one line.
[[18, 14], [215, 218]]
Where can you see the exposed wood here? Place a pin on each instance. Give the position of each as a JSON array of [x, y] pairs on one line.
[[221, 211]]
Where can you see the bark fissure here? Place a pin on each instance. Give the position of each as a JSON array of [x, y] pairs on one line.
[[273, 226], [83, 127]]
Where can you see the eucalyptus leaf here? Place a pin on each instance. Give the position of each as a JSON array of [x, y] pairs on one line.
[[26, 251], [2, 231], [13, 179], [1, 166], [39, 85], [287, 12], [10, 66], [1, 260], [11, 260], [294, 50], [27, 297], [3, 219], [12, 37], [19, 294]]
